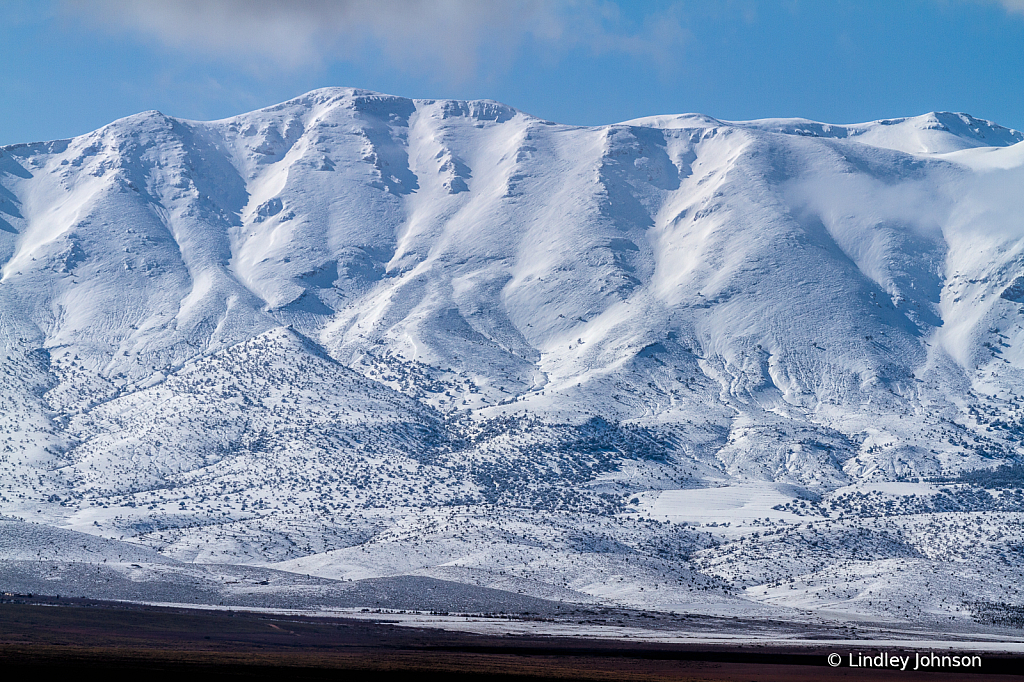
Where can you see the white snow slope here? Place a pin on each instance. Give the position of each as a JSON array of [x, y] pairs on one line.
[[359, 335]]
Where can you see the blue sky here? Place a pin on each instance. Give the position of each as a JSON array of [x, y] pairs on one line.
[[70, 66]]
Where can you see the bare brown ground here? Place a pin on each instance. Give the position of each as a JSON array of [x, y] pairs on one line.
[[85, 637]]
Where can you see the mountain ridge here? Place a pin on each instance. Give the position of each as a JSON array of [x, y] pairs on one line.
[[510, 317]]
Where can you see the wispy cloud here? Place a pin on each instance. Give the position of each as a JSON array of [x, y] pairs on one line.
[[448, 39], [1013, 6]]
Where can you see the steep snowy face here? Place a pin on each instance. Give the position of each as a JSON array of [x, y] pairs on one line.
[[793, 300], [674, 362]]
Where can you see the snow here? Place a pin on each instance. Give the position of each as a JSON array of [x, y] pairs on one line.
[[628, 363], [726, 505]]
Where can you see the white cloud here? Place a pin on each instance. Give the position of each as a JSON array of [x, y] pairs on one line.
[[450, 39], [1013, 6]]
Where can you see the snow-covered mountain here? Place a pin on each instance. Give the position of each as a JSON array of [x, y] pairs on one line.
[[321, 332]]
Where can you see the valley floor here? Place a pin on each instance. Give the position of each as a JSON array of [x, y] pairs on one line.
[[46, 633]]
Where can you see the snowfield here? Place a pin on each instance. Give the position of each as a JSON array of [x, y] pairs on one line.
[[769, 368]]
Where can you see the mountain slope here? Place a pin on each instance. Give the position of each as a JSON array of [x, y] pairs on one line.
[[271, 336]]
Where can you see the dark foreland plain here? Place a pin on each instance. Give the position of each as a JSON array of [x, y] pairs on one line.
[[121, 640]]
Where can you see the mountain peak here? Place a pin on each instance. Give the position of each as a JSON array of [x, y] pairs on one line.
[[931, 133], [407, 334]]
